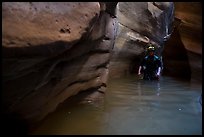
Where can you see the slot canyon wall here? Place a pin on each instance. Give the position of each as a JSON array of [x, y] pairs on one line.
[[182, 54], [139, 23], [52, 51], [174, 27]]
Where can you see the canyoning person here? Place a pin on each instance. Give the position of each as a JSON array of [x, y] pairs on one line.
[[150, 66]]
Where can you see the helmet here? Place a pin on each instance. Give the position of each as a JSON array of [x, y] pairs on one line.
[[150, 48]]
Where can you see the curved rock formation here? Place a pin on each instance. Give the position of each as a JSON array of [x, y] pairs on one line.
[[183, 52], [139, 24], [52, 51]]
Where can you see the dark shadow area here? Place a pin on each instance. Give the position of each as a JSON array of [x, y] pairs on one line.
[[32, 51], [135, 62], [13, 124], [175, 58], [31, 73], [72, 102]]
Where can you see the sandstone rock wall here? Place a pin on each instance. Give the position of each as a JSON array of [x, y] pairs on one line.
[[183, 52], [139, 23], [52, 51]]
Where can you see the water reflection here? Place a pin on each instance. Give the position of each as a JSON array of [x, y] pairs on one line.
[[153, 85], [132, 107]]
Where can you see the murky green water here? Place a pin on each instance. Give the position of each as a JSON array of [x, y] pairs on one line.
[[132, 107]]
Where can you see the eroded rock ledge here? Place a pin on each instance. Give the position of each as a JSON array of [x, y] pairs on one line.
[[52, 51]]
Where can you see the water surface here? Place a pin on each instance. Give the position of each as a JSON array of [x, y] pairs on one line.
[[132, 107]]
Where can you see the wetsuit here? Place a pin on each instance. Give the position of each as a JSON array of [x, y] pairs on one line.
[[150, 65]]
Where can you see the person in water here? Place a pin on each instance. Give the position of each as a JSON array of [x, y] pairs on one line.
[[150, 66]]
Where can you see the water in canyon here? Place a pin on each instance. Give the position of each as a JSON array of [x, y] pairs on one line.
[[132, 107]]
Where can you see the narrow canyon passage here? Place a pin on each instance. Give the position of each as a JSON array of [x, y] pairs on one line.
[[61, 58], [132, 107]]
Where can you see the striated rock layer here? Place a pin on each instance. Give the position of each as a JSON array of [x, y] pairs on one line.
[[139, 23], [52, 51], [183, 52]]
